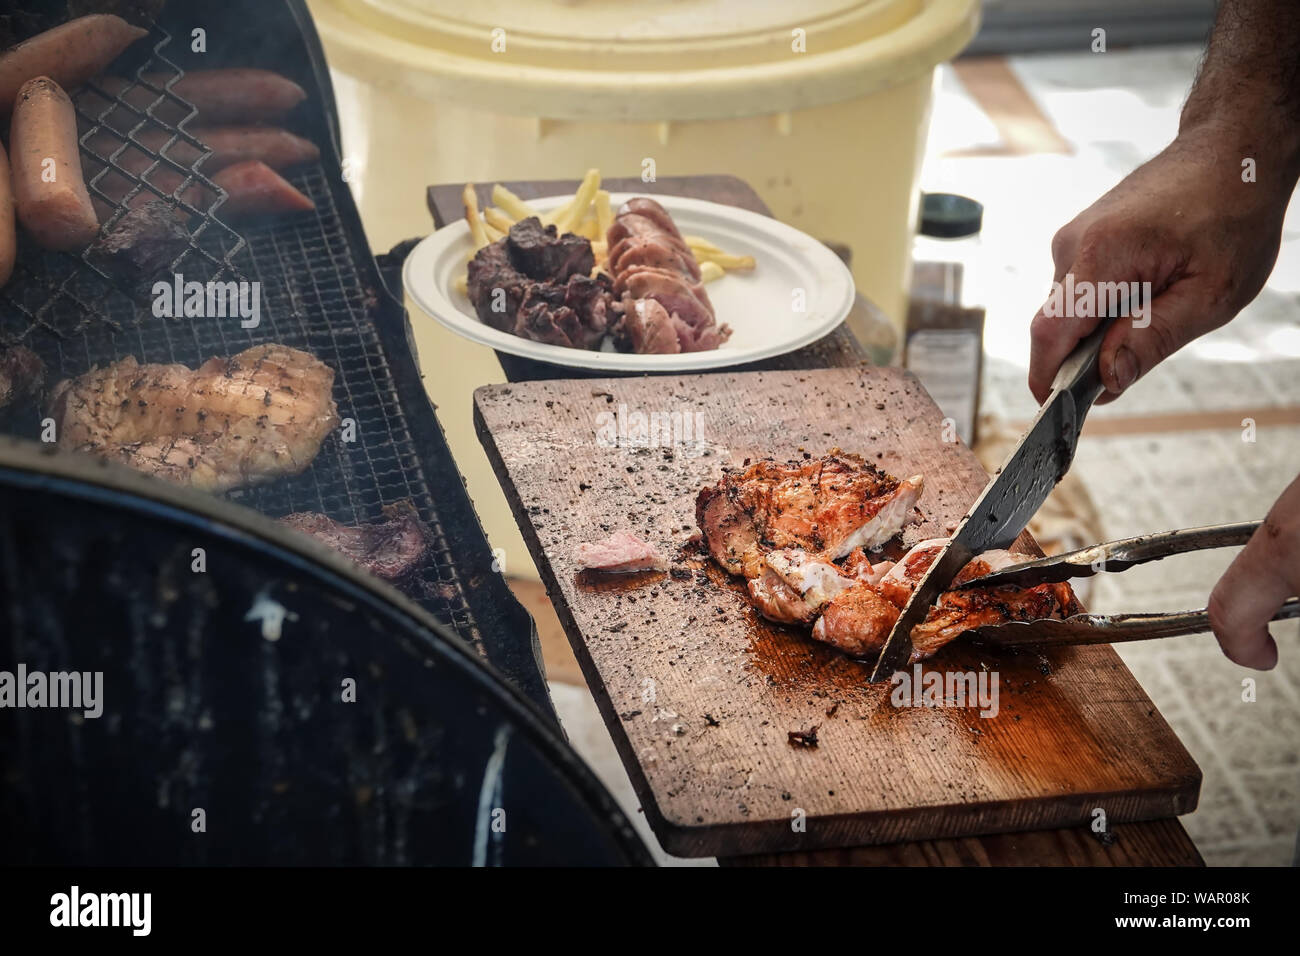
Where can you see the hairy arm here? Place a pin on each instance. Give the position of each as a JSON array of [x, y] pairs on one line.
[[1191, 221]]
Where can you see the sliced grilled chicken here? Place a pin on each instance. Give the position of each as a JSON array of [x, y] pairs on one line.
[[231, 422], [826, 506]]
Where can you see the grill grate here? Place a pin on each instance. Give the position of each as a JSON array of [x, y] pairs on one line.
[[71, 314]]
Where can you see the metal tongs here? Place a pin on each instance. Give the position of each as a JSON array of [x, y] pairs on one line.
[[1111, 556], [1004, 508]]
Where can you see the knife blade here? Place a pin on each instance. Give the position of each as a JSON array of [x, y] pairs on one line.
[[1015, 494]]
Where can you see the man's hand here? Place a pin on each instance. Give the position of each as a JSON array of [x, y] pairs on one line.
[[1257, 583], [1186, 223]]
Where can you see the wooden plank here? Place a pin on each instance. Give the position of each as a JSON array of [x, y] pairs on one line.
[[1150, 843], [709, 754], [837, 348]]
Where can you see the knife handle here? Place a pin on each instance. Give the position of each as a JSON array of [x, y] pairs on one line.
[[1080, 373]]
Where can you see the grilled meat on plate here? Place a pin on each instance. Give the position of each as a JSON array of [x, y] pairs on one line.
[[826, 506], [230, 423]]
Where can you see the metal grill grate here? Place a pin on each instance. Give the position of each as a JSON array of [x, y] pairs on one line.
[[67, 311]]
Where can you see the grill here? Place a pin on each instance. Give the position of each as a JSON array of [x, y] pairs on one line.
[[321, 292], [95, 571]]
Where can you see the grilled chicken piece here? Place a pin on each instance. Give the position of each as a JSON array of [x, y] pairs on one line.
[[857, 565], [857, 621], [904, 576], [390, 548], [795, 586], [826, 506], [230, 423], [959, 611]]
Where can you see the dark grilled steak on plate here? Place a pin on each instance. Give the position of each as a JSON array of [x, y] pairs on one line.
[[537, 285], [539, 253]]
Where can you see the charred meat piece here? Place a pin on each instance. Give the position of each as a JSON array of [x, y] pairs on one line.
[[22, 374], [230, 423], [390, 548], [536, 285], [491, 270], [141, 245], [621, 552], [540, 253], [826, 506]]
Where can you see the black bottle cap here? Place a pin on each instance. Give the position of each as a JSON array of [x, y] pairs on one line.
[[949, 216]]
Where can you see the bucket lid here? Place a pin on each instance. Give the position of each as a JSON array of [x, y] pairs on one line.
[[642, 61]]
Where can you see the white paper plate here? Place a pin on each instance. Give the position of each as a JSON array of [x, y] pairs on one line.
[[761, 306]]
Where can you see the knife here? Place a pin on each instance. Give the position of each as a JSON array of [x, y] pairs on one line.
[[1019, 489]]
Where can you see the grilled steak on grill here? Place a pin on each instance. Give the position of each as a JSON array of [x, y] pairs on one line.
[[390, 548], [22, 373], [230, 423]]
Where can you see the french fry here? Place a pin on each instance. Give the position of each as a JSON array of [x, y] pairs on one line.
[[497, 219], [568, 215], [586, 226], [604, 213], [470, 201], [493, 233], [710, 271], [699, 242], [727, 261], [514, 207], [461, 284]]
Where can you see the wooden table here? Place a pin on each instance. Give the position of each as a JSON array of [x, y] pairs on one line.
[[1154, 843]]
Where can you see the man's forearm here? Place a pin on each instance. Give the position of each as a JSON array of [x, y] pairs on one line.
[[1248, 87]]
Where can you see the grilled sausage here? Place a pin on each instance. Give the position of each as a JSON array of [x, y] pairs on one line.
[[255, 189], [223, 96], [49, 191], [70, 54], [276, 147], [8, 235]]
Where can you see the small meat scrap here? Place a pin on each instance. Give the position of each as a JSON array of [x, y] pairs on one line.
[[22, 374], [620, 553], [804, 738], [142, 245], [390, 548]]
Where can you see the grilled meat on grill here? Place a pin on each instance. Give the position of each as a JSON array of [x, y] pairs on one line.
[[22, 374], [826, 506], [230, 423], [141, 245], [390, 548]]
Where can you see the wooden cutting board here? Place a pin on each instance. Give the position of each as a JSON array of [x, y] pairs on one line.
[[701, 694]]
